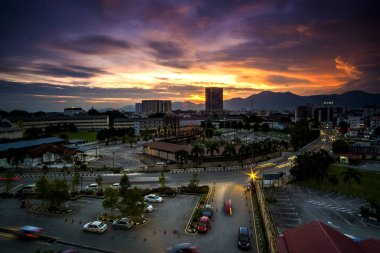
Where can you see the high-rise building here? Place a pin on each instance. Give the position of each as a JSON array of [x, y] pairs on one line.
[[138, 108], [156, 106], [214, 99], [303, 112]]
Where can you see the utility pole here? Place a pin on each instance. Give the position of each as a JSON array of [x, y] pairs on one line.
[[113, 160]]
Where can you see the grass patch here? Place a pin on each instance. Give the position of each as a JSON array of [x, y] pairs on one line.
[[88, 136], [369, 186]]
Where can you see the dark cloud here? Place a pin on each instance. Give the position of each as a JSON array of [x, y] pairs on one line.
[[67, 71], [169, 53], [275, 79], [94, 44]]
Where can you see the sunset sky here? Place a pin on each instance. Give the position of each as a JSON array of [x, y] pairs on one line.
[[55, 54]]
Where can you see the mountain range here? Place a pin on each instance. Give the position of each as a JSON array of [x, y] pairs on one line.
[[283, 101]]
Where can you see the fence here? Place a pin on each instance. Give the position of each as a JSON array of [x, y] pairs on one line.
[[270, 230]]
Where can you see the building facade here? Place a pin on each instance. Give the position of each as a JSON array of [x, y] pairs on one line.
[[214, 100], [156, 106]]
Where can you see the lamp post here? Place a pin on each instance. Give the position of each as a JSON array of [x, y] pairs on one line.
[[113, 160]]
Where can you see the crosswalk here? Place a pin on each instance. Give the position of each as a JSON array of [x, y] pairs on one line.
[[331, 206]]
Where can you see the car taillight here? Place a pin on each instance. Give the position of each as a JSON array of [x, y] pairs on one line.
[[31, 235]]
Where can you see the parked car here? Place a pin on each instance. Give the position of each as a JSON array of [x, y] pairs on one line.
[[29, 232], [95, 227], [123, 223], [153, 198], [147, 207], [163, 164], [203, 224], [243, 238], [182, 248], [115, 185], [26, 190], [228, 207], [207, 211], [93, 187]]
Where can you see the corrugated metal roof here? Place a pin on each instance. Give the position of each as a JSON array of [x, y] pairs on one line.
[[316, 237], [167, 147], [29, 143]]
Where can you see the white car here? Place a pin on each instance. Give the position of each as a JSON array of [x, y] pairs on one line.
[[93, 186], [153, 198], [95, 227], [147, 208], [163, 164], [115, 185]]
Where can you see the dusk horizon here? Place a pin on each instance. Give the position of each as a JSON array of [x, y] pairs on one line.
[[116, 53]]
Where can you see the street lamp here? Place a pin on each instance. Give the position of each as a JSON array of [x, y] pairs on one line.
[[113, 160]]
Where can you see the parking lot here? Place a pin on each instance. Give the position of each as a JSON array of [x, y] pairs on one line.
[[298, 205], [155, 236]]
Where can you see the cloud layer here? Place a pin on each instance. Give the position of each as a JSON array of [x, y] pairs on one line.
[[172, 49]]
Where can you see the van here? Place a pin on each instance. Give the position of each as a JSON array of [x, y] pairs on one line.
[[163, 164]]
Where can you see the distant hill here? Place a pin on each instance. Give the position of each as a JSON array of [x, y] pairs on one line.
[[184, 106], [281, 101], [127, 108], [289, 101]]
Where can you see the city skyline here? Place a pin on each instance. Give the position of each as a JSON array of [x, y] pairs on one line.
[[115, 53]]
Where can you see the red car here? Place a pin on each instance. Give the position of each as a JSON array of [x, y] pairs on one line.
[[228, 207], [203, 224]]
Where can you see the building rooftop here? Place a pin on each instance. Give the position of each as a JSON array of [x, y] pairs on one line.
[[29, 143], [316, 237], [167, 147]]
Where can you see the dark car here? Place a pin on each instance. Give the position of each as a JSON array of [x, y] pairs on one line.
[[203, 224], [243, 238], [29, 232], [207, 211], [228, 207], [182, 248], [123, 223]]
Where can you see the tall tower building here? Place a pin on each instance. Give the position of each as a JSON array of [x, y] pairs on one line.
[[214, 99]]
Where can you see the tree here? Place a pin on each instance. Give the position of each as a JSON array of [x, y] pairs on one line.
[[340, 147], [181, 156], [8, 182], [42, 189], [162, 182], [124, 184], [376, 132], [209, 132], [344, 127], [333, 181], [131, 140], [211, 147], [301, 134], [351, 175], [111, 198], [194, 181], [197, 152], [58, 193], [99, 180], [132, 203], [265, 127], [15, 157], [75, 182], [229, 151]]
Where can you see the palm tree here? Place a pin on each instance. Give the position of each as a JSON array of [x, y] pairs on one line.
[[181, 156], [198, 152], [15, 158], [333, 181], [229, 151], [349, 175], [99, 181], [211, 147]]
